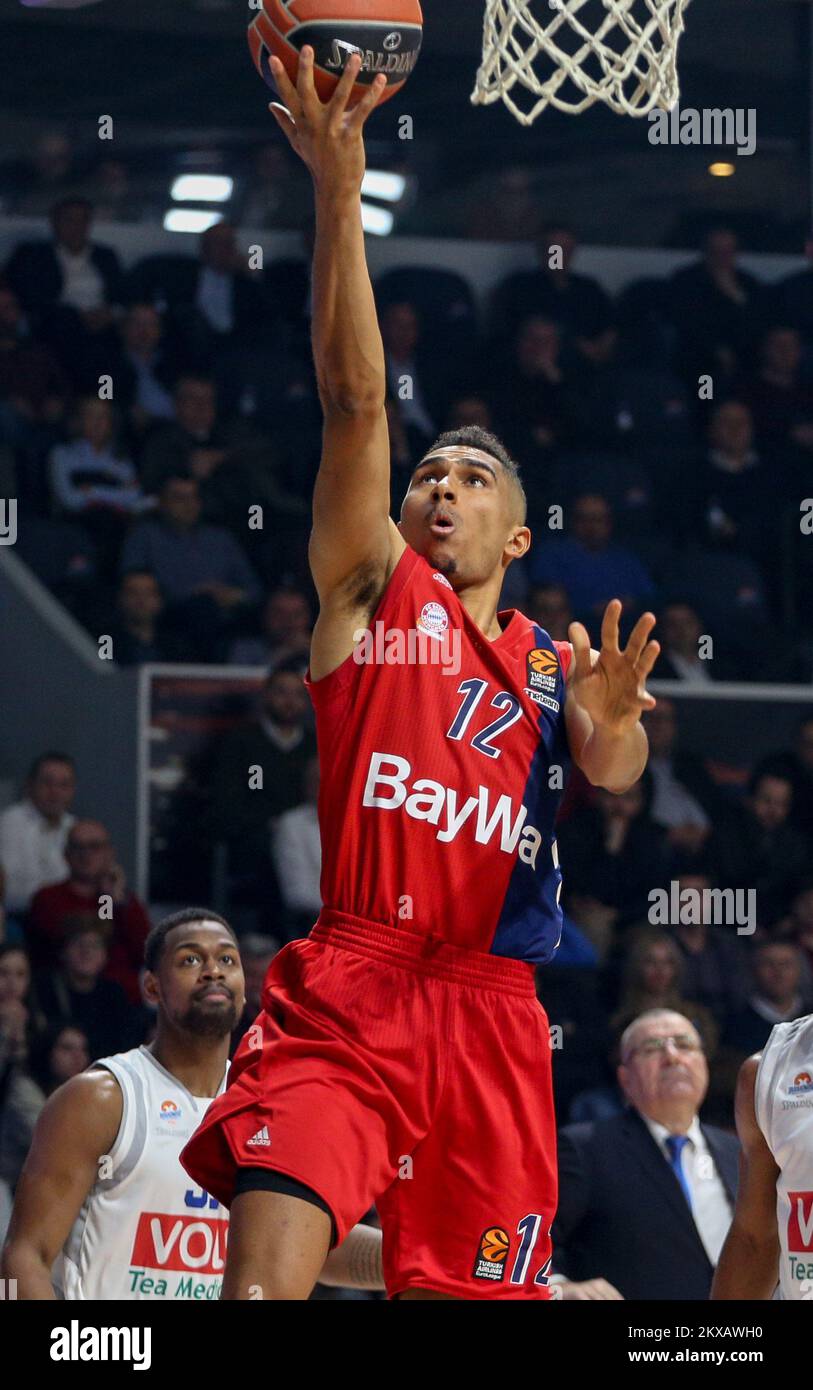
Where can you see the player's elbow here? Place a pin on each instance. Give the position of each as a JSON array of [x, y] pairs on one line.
[[353, 400]]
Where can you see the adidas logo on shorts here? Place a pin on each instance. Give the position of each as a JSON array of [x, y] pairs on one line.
[[260, 1140]]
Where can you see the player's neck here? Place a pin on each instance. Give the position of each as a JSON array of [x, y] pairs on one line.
[[482, 604], [198, 1063]]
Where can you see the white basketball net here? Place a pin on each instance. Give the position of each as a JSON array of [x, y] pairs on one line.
[[572, 53]]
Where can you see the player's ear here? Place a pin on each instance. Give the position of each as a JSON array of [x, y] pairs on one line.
[[149, 986]]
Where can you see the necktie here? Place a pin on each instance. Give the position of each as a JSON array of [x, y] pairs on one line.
[[675, 1144]]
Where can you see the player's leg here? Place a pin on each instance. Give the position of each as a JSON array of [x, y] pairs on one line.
[[277, 1246]]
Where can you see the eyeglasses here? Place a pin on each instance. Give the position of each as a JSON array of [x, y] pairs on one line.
[[682, 1042]]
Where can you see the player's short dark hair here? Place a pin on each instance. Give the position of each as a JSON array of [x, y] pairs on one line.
[[479, 438], [154, 945], [52, 756]]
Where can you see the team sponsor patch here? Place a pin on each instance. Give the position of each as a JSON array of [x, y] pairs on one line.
[[193, 1243], [802, 1084], [169, 1110], [434, 619], [441, 578], [800, 1222], [546, 700], [492, 1255]]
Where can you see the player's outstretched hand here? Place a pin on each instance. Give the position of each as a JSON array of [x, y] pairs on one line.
[[327, 136], [613, 689]]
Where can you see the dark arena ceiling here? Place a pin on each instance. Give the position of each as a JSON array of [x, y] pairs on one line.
[[176, 76]]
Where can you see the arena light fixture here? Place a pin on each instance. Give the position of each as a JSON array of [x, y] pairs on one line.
[[721, 170], [379, 183], [376, 221], [202, 188], [190, 220]]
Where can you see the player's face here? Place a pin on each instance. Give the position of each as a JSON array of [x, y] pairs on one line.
[[461, 514], [199, 984]]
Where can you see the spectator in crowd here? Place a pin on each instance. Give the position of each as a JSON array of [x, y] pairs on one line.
[[34, 831], [32, 182], [79, 991], [797, 765], [71, 288], [712, 305], [793, 298], [214, 302], [234, 466], [138, 633], [779, 394], [590, 566], [277, 742], [731, 502], [272, 192], [90, 479], [297, 853], [612, 855], [256, 954], [775, 996], [684, 1185], [413, 390], [713, 959], [680, 630], [287, 625], [577, 303], [21, 1018], [652, 978], [549, 605], [96, 885], [33, 387], [201, 569], [685, 799], [536, 405], [798, 925], [756, 846], [143, 370], [59, 1052]]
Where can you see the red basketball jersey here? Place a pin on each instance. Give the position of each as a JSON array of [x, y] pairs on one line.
[[443, 757]]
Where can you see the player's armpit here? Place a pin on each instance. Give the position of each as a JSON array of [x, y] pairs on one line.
[[77, 1129], [749, 1260]]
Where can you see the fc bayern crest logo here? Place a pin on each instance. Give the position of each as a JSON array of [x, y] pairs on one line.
[[434, 619]]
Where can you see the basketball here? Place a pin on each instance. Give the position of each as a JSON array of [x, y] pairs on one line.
[[387, 33]]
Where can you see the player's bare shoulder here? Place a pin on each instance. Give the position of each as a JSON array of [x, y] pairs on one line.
[[87, 1109]]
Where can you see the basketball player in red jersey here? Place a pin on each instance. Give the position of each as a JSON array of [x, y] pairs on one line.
[[404, 1058]]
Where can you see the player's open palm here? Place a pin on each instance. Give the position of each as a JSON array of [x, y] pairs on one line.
[[327, 136], [612, 689]]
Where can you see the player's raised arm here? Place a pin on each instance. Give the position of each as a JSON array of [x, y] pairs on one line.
[[749, 1260], [354, 545], [78, 1125]]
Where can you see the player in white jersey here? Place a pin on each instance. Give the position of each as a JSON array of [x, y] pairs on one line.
[[771, 1238], [103, 1208]]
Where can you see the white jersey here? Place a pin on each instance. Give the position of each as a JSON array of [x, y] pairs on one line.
[[783, 1100], [145, 1231]]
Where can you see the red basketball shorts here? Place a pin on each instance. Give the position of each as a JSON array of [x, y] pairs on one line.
[[395, 1069]]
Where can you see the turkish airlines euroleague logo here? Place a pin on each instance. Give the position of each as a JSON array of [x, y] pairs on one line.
[[187, 1243], [800, 1222]]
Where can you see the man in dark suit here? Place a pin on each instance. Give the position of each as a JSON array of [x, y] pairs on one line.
[[646, 1198], [70, 287]]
